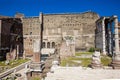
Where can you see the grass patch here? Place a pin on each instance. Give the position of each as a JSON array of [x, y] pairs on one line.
[[105, 60], [72, 61], [67, 62], [36, 78], [2, 63], [13, 63], [81, 53], [84, 62]]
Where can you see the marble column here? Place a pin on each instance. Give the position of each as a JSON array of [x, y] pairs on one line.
[[110, 42], [116, 56], [103, 36], [116, 36], [110, 39]]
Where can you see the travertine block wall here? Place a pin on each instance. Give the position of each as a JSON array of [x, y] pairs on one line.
[[31, 31], [81, 26], [67, 50]]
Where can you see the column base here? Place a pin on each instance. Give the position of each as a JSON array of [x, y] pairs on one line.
[[116, 62], [96, 66], [36, 57]]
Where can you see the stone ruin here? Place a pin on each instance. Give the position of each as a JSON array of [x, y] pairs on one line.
[[67, 47], [107, 38], [96, 60]]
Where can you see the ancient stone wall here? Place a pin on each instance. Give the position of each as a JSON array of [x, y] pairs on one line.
[[67, 48], [81, 26], [31, 31]]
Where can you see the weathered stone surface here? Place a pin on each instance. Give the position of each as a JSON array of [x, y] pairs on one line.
[[56, 26], [32, 31], [81, 26], [96, 60], [115, 62], [67, 50], [107, 35]]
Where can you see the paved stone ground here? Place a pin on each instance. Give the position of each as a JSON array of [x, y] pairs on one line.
[[79, 73]]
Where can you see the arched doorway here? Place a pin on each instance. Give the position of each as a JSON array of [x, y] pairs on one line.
[[43, 45], [48, 44], [53, 44]]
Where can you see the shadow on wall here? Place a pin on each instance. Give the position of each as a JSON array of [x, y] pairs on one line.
[[11, 38]]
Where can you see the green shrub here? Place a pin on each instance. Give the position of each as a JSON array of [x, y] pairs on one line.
[[36, 78], [92, 49]]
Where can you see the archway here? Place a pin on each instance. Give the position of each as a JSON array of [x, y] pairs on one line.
[[43, 45], [48, 44], [53, 44]]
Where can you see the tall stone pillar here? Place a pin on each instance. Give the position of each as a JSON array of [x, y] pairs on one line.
[[36, 67], [103, 36], [116, 57], [110, 39], [36, 50], [110, 42], [116, 36]]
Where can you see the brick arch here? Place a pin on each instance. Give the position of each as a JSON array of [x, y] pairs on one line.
[[53, 44], [48, 44], [43, 45]]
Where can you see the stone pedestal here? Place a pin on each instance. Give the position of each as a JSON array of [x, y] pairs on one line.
[[36, 57], [96, 61], [67, 47], [116, 62], [36, 67]]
